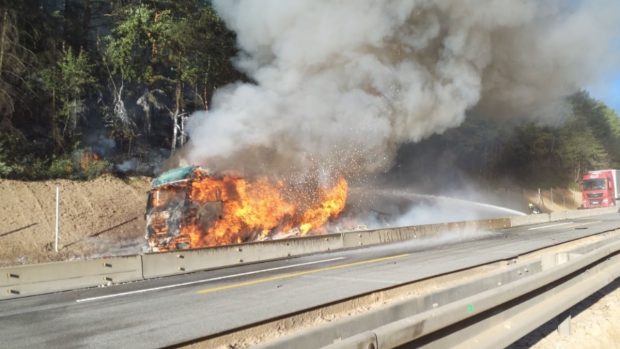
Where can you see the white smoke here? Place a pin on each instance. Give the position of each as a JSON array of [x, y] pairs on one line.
[[339, 85]]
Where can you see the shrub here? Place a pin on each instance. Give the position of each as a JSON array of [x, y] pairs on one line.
[[95, 168], [61, 168], [5, 170]]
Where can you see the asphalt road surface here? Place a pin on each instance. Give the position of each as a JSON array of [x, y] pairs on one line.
[[167, 311]]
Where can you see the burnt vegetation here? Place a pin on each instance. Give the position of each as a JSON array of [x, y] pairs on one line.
[[97, 86]]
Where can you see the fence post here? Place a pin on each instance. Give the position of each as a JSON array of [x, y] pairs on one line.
[[551, 195]]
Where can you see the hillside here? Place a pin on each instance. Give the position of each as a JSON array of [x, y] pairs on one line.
[[104, 216]]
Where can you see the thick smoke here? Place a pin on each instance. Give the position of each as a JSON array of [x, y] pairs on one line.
[[339, 85]]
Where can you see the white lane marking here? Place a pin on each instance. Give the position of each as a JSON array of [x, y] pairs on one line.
[[206, 280], [580, 224], [550, 226], [572, 226]]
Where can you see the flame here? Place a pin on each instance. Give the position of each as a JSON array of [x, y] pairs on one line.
[[330, 206], [256, 210]]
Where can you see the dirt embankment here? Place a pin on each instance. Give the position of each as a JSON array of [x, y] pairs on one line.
[[554, 199], [104, 216]]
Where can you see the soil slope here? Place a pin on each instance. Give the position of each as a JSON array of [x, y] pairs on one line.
[[104, 216]]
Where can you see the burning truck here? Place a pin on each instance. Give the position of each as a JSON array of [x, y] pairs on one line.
[[190, 207]]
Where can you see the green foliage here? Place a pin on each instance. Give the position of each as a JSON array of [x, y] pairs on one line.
[[68, 82], [56, 85], [5, 168], [543, 156], [164, 44], [134, 45], [60, 79], [78, 165], [9, 146], [95, 168], [180, 49], [30, 168], [61, 168], [527, 154]]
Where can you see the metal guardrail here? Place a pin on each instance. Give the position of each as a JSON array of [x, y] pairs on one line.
[[42, 278], [490, 312]]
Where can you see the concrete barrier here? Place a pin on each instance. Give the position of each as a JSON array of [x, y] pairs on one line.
[[50, 277], [486, 303], [527, 220], [383, 236], [33, 279], [169, 263], [58, 276], [361, 238], [558, 216], [497, 223]]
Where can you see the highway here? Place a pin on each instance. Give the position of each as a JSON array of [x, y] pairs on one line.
[[172, 310]]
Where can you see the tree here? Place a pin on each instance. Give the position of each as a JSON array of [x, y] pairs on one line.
[[590, 137], [15, 60], [68, 83], [176, 52]]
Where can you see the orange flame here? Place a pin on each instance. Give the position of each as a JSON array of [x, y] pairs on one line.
[[254, 210], [331, 204]]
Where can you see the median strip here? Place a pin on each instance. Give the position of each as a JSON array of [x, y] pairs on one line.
[[301, 273]]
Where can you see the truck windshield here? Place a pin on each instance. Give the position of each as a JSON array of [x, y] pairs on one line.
[[594, 184], [166, 196]]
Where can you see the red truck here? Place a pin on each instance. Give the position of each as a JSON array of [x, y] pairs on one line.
[[600, 188]]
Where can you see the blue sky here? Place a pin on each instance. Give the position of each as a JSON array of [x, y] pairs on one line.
[[608, 91]]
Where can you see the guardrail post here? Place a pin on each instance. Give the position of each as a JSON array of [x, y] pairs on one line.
[[564, 326]]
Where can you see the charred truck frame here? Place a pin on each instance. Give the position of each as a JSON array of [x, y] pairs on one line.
[[190, 207], [169, 209]]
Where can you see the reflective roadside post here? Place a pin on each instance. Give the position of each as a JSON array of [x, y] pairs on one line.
[[57, 218]]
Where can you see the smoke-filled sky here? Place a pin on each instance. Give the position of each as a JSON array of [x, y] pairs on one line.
[[339, 85]]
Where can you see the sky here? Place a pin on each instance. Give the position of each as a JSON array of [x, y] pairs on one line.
[[609, 91]]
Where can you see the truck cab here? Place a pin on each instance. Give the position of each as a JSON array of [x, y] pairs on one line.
[[600, 188], [169, 209]]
